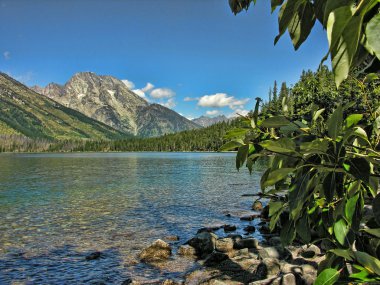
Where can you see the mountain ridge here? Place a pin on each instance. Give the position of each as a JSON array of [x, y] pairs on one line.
[[108, 100], [205, 121], [25, 112]]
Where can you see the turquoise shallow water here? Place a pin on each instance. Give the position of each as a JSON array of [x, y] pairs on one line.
[[57, 208]]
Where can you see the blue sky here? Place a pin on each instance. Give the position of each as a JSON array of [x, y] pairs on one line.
[[199, 57]]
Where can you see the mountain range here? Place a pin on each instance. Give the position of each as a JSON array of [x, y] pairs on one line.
[[108, 100], [87, 106], [208, 121]]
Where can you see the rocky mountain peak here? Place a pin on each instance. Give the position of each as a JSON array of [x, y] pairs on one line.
[[108, 100]]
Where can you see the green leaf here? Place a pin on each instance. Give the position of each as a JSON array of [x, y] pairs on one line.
[[353, 120], [327, 277], [317, 114], [241, 156], [374, 232], [360, 168], [316, 146], [376, 208], [275, 122], [302, 23], [303, 228], [345, 253], [372, 33], [341, 231], [283, 145], [275, 4], [331, 5], [344, 31], [274, 207], [369, 262], [329, 186], [232, 145], [236, 133], [288, 233], [350, 208], [277, 175], [334, 124], [286, 15]]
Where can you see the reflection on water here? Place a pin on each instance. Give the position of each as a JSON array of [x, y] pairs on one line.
[[56, 208]]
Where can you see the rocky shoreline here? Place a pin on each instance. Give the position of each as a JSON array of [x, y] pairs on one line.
[[234, 259]]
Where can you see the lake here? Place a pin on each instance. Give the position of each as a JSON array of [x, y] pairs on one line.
[[55, 209]]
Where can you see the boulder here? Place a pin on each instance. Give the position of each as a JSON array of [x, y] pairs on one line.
[[204, 243], [275, 241], [215, 258], [157, 251], [209, 229], [289, 279], [229, 228], [186, 250], [246, 243], [169, 282], [275, 252], [310, 251], [268, 267], [250, 229], [224, 245]]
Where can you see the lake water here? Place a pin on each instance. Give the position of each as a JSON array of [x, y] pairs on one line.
[[55, 209]]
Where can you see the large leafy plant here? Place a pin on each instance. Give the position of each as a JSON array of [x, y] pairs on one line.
[[352, 29], [323, 183]]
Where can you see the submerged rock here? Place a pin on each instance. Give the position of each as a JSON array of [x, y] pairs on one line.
[[171, 238], [229, 228], [250, 229], [157, 251], [94, 255]]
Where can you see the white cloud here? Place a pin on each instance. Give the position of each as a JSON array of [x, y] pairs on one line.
[[169, 104], [212, 112], [238, 112], [220, 100], [130, 85], [188, 99], [7, 55], [149, 86], [160, 93], [139, 92]]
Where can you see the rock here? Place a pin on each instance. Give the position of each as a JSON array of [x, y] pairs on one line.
[[308, 279], [246, 243], [289, 279], [268, 267], [250, 229], [310, 251], [264, 229], [209, 229], [274, 241], [228, 215], [204, 243], [289, 268], [229, 228], [268, 281], [309, 269], [215, 258], [275, 252], [257, 206], [186, 250], [249, 218], [127, 281], [224, 244], [171, 238], [157, 251], [94, 255], [169, 282]]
